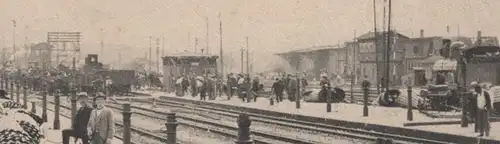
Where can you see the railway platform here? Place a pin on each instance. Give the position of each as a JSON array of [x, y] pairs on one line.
[[380, 118]]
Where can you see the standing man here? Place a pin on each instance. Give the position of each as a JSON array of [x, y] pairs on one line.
[[101, 127], [109, 86], [255, 88], [483, 109], [232, 85], [79, 126], [278, 89]]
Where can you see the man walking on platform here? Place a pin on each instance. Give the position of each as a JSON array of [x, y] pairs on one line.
[[278, 89], [101, 127], [483, 109], [79, 126]]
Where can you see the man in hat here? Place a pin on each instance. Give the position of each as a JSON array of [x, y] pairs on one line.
[[79, 126], [102, 123], [483, 109]]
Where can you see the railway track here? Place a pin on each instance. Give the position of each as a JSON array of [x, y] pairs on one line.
[[309, 126], [210, 124], [136, 132]]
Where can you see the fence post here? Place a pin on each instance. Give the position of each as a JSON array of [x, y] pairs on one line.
[[73, 103], [6, 84], [244, 123], [299, 93], [171, 125], [57, 123], [328, 98], [464, 122], [365, 99], [25, 98], [44, 103], [409, 115], [271, 101], [33, 107], [126, 123], [12, 91], [2, 80], [18, 94]]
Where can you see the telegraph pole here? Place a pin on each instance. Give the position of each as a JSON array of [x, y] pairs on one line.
[[376, 45], [248, 49], [102, 48], [189, 40], [158, 55], [353, 73], [242, 54], [388, 51], [150, 62], [14, 38], [162, 46], [208, 50], [221, 54], [195, 44]]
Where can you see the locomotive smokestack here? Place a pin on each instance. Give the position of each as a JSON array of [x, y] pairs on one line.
[[421, 33]]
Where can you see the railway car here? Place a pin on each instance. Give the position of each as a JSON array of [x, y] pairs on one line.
[[92, 76], [471, 63]]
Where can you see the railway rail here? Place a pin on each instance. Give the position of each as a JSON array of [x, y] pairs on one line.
[[118, 126], [218, 128], [295, 124]]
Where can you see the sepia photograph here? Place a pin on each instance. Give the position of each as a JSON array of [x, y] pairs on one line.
[[249, 72]]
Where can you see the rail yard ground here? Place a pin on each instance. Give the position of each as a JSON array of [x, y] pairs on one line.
[[202, 122], [381, 117]]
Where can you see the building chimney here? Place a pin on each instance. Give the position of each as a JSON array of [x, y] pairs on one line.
[[479, 37], [421, 33]]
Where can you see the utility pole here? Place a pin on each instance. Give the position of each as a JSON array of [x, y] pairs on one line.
[[195, 44], [189, 41], [14, 39], [207, 49], [26, 55], [150, 62], [162, 46], [353, 73], [388, 51], [248, 49], [158, 55], [220, 53], [102, 48], [376, 45], [119, 59], [242, 58]]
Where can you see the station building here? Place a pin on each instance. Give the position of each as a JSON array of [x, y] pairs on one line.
[[360, 57]]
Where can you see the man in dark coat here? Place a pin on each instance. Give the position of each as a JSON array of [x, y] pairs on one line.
[[278, 89], [232, 85], [255, 88], [79, 125]]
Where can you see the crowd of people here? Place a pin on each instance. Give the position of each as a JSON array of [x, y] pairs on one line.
[[244, 86]]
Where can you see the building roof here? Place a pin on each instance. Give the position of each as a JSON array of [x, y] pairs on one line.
[[312, 49], [189, 54], [432, 59], [445, 65], [371, 35]]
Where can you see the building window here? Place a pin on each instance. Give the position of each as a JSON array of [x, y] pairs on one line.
[[415, 50]]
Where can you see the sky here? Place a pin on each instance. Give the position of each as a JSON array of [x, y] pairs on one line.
[[271, 25]]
